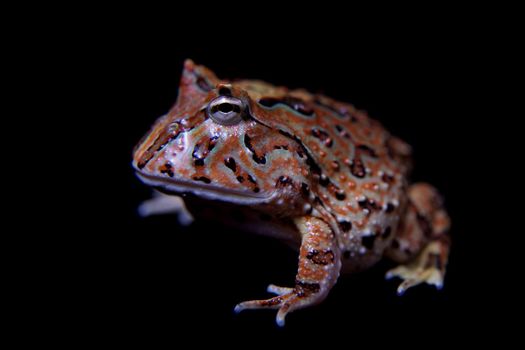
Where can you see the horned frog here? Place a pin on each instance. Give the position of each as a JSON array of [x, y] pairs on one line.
[[319, 173]]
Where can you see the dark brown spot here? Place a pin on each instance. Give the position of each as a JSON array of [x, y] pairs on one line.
[[368, 241], [202, 149], [387, 179], [345, 225], [357, 168], [314, 168], [256, 189], [240, 179], [342, 132], [324, 180], [167, 168], [340, 195], [395, 244], [298, 105], [303, 289], [230, 163], [269, 102], [251, 179], [364, 149], [248, 143], [197, 157], [285, 147], [294, 103], [283, 181], [203, 84], [368, 204], [324, 257], [305, 189], [202, 178], [323, 136], [389, 208]]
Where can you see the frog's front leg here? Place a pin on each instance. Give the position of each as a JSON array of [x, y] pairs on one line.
[[319, 265]]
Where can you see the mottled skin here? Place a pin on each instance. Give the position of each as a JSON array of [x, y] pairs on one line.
[[333, 177]]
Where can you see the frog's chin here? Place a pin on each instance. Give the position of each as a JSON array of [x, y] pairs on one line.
[[179, 187]]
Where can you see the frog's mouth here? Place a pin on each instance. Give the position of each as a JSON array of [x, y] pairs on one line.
[[206, 191]]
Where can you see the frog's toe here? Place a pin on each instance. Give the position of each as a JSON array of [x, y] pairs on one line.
[[272, 288], [428, 267], [285, 302]]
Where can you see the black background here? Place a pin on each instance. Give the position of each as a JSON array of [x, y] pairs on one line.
[[150, 279]]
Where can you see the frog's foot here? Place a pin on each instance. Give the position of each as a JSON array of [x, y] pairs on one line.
[[319, 266], [287, 300], [166, 204], [428, 267]]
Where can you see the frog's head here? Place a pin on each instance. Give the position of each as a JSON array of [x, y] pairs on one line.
[[224, 141]]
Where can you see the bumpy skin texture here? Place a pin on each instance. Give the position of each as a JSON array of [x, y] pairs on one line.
[[335, 174]]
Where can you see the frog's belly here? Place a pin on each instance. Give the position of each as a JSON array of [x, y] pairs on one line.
[[244, 219], [354, 257], [359, 263]]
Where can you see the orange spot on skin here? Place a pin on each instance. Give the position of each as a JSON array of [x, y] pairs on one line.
[[361, 224], [351, 185], [306, 272], [371, 186], [440, 221], [347, 208]]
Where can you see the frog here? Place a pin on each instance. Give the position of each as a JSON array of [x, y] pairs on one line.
[[317, 173]]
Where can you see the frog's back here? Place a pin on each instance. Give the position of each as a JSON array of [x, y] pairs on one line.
[[361, 168]]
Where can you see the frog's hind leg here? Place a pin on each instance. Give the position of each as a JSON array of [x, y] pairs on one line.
[[422, 242], [162, 203], [319, 265]]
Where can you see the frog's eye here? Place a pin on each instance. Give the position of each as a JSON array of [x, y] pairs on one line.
[[225, 110]]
